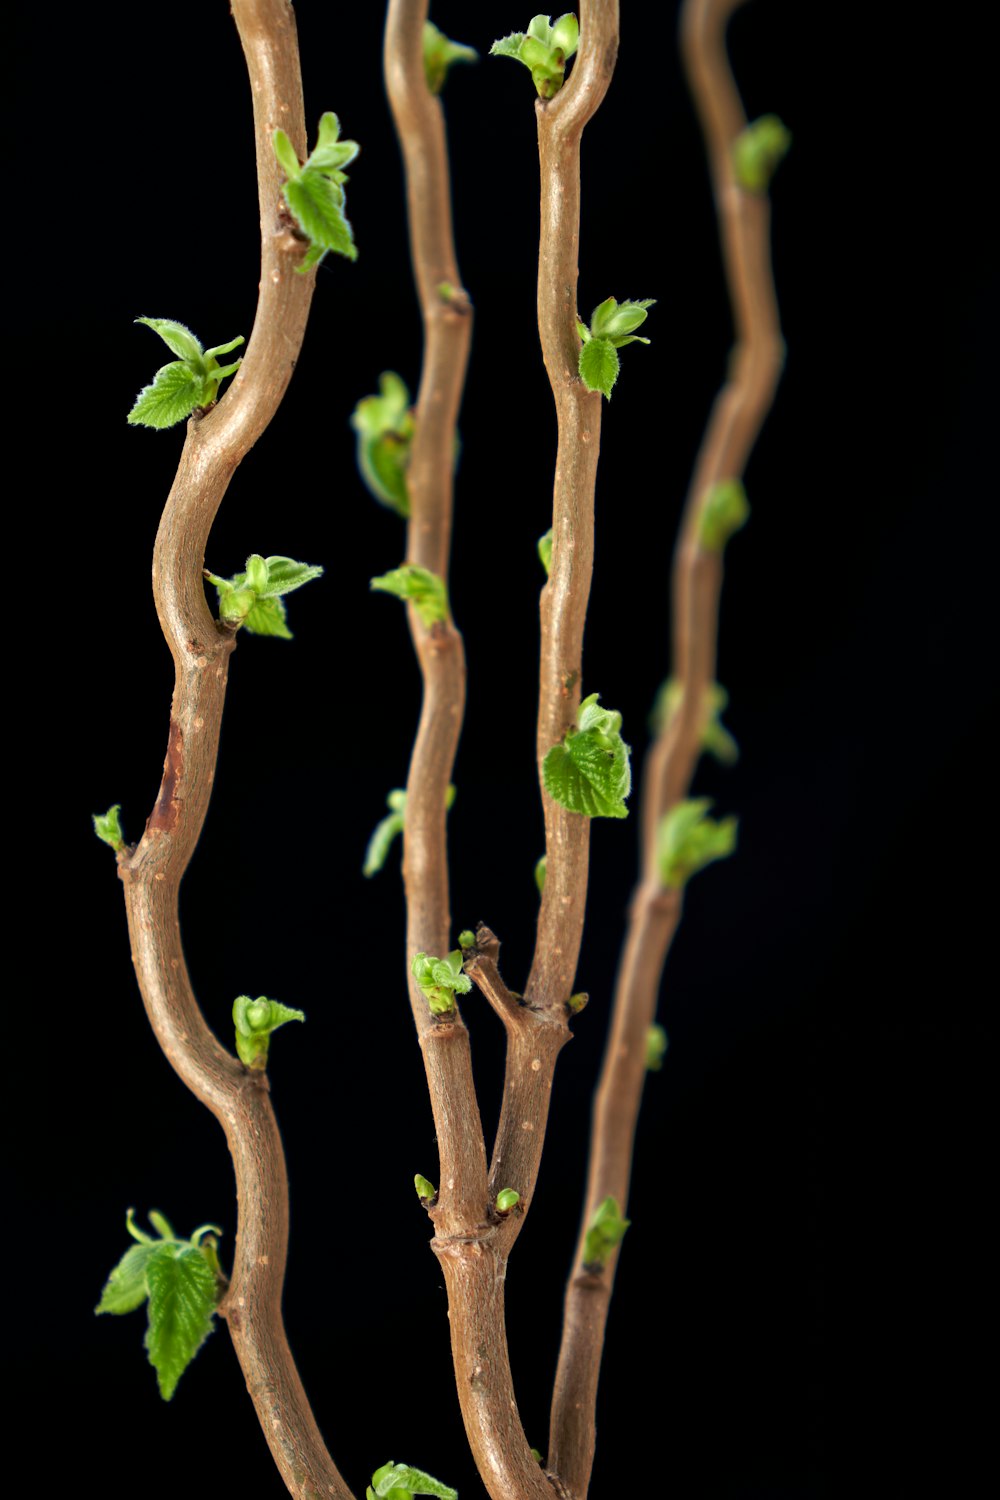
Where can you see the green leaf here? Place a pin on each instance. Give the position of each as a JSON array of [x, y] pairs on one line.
[[545, 551], [439, 55], [126, 1288], [426, 1191], [288, 161], [381, 842], [613, 319], [440, 980], [211, 354], [589, 771], [507, 1199], [178, 339], [656, 1047], [316, 205], [255, 1020], [330, 153], [268, 617], [605, 1231], [109, 829], [392, 1477], [421, 588], [688, 840], [182, 1297], [565, 34], [285, 575], [173, 395], [757, 152], [508, 46], [724, 510], [385, 429], [544, 49], [599, 366]]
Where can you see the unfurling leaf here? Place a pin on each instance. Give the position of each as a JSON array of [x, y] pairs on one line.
[[178, 339], [440, 980], [724, 510], [419, 587], [108, 827], [385, 427], [656, 1047], [545, 49], [389, 829], [126, 1287], [189, 382], [715, 737], [589, 771], [688, 840], [314, 191], [255, 1020], [439, 55], [400, 1481], [757, 152], [599, 366], [612, 326], [507, 1199], [253, 599], [545, 551], [604, 1233], [426, 1191]]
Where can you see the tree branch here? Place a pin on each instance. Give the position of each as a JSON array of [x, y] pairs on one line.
[[736, 419], [151, 875], [563, 606]]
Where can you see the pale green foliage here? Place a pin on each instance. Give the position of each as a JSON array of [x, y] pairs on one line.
[[108, 827], [715, 737], [439, 55], [656, 1047], [604, 1232], [253, 600], [419, 587], [589, 771], [757, 152], [612, 326], [180, 1280], [724, 510], [390, 828], [545, 551], [401, 1482], [314, 191], [440, 980], [426, 1191], [544, 49], [507, 1199], [188, 382], [688, 840], [385, 427], [255, 1020]]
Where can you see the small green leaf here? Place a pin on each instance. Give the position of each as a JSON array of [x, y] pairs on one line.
[[724, 510], [423, 589], [268, 617], [173, 395], [507, 1199], [381, 842], [126, 1287], [614, 319], [545, 551], [599, 366], [426, 1191], [210, 354], [317, 205], [508, 46], [109, 829], [540, 868], [178, 339], [392, 1477], [544, 49], [604, 1232], [288, 161], [440, 980], [182, 1298], [285, 575], [656, 1047], [439, 55], [385, 428], [688, 840], [757, 152], [589, 771], [255, 1020]]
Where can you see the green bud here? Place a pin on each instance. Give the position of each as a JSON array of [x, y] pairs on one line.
[[724, 510], [536, 1455], [256, 574], [656, 1047], [688, 840], [540, 868], [467, 939], [605, 1232], [439, 55], [506, 1200], [426, 1191], [757, 152], [235, 605], [109, 829], [576, 1003], [440, 979], [545, 551], [255, 1020]]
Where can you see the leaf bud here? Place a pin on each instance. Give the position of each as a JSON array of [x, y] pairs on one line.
[[507, 1199], [257, 571]]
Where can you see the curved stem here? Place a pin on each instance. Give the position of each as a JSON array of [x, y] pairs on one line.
[[151, 875], [735, 422]]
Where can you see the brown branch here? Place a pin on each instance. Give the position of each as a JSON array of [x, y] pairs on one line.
[[151, 875], [563, 607], [737, 417]]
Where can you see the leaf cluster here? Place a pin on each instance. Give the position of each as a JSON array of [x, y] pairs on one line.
[[189, 382], [254, 1021], [544, 49], [385, 427], [440, 53], [252, 600], [612, 326], [181, 1282], [688, 840], [419, 587], [440, 980], [757, 152], [314, 191], [402, 1482], [589, 771]]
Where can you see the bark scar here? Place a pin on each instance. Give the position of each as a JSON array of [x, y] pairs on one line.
[[165, 814]]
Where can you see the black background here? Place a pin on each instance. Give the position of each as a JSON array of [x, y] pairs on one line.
[[799, 1303]]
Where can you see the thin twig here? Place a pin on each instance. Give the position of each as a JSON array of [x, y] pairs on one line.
[[736, 419], [151, 875]]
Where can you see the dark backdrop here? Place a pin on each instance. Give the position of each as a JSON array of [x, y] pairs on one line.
[[797, 1305]]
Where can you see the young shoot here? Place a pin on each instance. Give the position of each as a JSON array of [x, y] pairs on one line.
[[188, 383], [108, 828], [757, 152], [386, 832], [589, 771], [401, 1482], [253, 600], [385, 427], [544, 48], [605, 1232], [419, 587], [612, 326], [314, 191], [440, 53], [688, 840], [254, 1021], [440, 980], [715, 737]]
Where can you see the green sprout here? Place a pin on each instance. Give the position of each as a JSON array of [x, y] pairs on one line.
[[612, 326], [544, 48], [189, 383], [440, 980], [314, 191], [688, 840], [255, 1020], [253, 600]]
